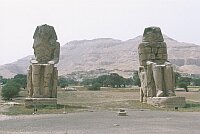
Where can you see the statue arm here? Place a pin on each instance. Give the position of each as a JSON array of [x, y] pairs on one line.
[[56, 54], [33, 59]]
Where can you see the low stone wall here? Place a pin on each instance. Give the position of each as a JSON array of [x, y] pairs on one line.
[[40, 101], [167, 102]]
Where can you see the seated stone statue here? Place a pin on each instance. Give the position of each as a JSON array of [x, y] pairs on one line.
[[155, 72], [42, 75]]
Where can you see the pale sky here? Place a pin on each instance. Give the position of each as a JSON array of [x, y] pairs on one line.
[[89, 19]]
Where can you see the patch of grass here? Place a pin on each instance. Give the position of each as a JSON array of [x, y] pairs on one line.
[[116, 105], [193, 86], [191, 107], [21, 110], [127, 89], [110, 106], [105, 99]]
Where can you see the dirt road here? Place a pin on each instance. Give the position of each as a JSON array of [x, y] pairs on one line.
[[104, 122]]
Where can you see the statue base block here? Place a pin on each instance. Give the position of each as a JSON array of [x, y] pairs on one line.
[[40, 102], [167, 102]]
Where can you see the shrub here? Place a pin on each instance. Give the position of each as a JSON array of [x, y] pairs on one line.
[[183, 82], [10, 90], [63, 85], [95, 87], [136, 79]]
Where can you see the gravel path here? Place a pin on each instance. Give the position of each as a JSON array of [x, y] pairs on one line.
[[105, 122]]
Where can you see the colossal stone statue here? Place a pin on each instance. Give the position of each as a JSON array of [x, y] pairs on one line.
[[42, 75], [155, 72]]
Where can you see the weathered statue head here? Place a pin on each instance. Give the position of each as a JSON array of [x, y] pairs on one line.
[[152, 48], [46, 48], [152, 34]]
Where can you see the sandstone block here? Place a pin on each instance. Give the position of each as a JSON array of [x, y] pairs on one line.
[[162, 50], [159, 76], [167, 102], [42, 75], [161, 56], [29, 102]]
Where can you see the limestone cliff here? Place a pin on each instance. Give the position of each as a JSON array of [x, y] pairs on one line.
[[111, 55]]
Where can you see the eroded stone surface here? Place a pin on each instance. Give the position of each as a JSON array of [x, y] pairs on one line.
[[167, 102], [152, 34], [155, 72], [42, 75], [46, 48]]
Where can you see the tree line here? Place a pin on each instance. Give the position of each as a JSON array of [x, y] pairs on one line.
[[113, 80], [11, 87], [180, 81]]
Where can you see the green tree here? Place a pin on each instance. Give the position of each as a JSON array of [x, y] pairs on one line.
[[195, 81], [183, 82], [116, 80], [128, 81], [95, 87], [87, 82], [10, 90], [21, 79], [62, 82], [104, 80], [71, 82], [136, 79], [4, 81], [1, 78], [177, 77]]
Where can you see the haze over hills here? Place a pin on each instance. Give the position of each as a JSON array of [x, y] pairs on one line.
[[90, 58]]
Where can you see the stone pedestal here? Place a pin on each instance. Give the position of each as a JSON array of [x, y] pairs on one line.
[[42, 81], [40, 102], [167, 102], [42, 85]]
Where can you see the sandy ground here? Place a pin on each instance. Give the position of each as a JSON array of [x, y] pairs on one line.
[[104, 122]]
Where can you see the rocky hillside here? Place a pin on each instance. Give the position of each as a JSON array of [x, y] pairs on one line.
[[106, 55]]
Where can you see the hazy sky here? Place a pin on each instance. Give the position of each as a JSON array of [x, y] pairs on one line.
[[89, 19]]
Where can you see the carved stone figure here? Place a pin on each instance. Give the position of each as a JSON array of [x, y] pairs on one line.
[[46, 48], [156, 73], [143, 88], [42, 75]]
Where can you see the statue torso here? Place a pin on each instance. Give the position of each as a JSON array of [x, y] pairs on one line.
[[44, 52]]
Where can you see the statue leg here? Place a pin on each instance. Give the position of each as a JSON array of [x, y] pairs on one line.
[[48, 81], [145, 94], [55, 82], [141, 95], [143, 88], [169, 78], [151, 89], [36, 80], [158, 78], [29, 82]]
